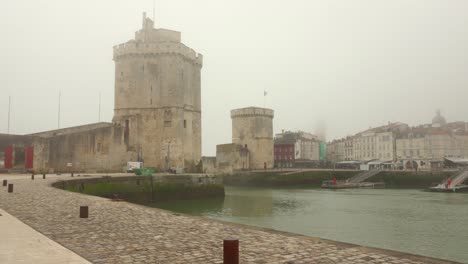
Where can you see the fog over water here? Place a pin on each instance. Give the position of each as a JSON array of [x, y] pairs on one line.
[[344, 65]]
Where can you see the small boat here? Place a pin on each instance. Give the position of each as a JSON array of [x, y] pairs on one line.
[[444, 188], [349, 185]]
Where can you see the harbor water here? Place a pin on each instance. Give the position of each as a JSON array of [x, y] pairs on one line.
[[411, 221]]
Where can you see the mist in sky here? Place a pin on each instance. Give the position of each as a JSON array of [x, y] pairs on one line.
[[338, 66]]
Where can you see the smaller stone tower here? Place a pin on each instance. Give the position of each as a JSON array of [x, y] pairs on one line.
[[252, 127]]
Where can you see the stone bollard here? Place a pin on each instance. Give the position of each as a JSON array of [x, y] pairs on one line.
[[5, 182], [32, 176], [231, 251], [43, 176], [83, 211], [10, 187]]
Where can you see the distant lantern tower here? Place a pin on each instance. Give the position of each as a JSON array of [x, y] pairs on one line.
[[158, 97]]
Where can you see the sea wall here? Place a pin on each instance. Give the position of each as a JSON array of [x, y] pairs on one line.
[[148, 189], [406, 179], [314, 179]]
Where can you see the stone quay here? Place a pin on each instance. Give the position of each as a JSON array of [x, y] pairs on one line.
[[122, 232]]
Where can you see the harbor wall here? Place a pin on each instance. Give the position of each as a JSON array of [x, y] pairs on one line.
[[314, 179], [148, 189]]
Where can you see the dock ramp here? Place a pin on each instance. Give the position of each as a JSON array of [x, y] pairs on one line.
[[455, 185], [363, 176]]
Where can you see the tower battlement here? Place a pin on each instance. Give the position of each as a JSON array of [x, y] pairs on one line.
[[136, 48], [252, 111]]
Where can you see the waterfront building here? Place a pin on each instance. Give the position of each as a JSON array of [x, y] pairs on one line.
[[336, 150], [284, 153], [372, 144], [426, 146], [296, 147], [348, 149]]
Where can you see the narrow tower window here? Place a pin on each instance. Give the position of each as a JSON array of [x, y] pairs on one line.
[[126, 131], [185, 123]]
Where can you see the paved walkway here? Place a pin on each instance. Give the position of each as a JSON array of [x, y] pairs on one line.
[[120, 232], [20, 243]]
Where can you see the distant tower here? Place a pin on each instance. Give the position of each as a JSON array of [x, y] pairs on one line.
[[253, 127], [438, 120], [158, 97]]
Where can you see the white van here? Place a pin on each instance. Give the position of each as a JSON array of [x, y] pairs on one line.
[[131, 165]]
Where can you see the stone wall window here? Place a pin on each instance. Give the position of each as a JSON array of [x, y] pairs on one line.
[[185, 123], [127, 131], [167, 118]]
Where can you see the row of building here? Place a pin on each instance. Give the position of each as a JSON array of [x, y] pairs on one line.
[[398, 145], [392, 146]]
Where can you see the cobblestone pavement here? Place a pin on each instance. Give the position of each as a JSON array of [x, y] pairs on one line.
[[120, 232], [16, 237]]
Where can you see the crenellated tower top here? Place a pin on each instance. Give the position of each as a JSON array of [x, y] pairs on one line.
[[252, 111], [150, 41]]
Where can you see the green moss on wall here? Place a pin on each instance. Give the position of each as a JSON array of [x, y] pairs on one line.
[[311, 179], [314, 179], [142, 190]]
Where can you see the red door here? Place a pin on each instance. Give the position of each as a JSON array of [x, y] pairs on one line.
[[9, 157], [29, 157]]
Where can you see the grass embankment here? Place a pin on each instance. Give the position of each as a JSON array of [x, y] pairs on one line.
[[314, 179], [140, 191]]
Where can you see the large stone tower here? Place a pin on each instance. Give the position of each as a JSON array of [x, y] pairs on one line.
[[252, 127], [158, 97]]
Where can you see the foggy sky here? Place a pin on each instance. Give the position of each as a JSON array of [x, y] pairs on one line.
[[347, 64]]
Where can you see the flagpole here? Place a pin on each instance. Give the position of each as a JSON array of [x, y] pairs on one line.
[[9, 109], [58, 119], [99, 115], [154, 9]]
